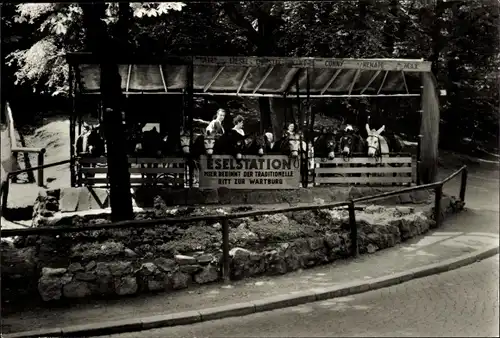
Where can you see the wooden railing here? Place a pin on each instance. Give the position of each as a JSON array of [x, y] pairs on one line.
[[168, 171], [15, 149], [223, 219]]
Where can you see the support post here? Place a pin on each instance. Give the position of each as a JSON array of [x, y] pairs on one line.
[[41, 159], [437, 204], [225, 250], [5, 192], [190, 80], [354, 230], [419, 143], [72, 125], [463, 184], [308, 117]]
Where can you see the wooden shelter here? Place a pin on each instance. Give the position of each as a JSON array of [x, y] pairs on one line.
[[294, 77]]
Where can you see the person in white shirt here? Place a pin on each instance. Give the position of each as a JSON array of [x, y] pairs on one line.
[[238, 125], [215, 126]]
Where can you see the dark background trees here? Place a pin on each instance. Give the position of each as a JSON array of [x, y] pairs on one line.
[[461, 38]]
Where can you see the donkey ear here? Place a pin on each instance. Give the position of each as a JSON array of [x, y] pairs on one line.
[[381, 130], [367, 128]]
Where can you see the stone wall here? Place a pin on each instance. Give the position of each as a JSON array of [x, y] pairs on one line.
[[84, 198], [124, 262]]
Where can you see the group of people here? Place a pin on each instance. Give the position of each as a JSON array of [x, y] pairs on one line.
[[216, 127]]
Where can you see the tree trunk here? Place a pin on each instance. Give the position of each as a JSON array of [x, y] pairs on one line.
[[101, 45], [390, 29]]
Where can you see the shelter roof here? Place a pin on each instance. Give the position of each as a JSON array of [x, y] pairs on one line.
[[258, 76]]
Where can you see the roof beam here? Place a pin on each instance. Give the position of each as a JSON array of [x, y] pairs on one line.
[[404, 81], [329, 83], [269, 70], [383, 81], [244, 79], [371, 80], [163, 78], [128, 78], [304, 95], [354, 80], [213, 78], [288, 85]]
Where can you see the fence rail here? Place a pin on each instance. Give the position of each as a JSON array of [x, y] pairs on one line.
[[14, 149], [224, 218]]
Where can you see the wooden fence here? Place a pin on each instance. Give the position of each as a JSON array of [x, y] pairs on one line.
[[224, 219], [399, 169], [168, 171], [25, 150]]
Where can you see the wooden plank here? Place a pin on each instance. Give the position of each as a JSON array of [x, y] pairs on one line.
[[139, 160], [363, 170], [212, 80], [164, 160], [244, 79], [136, 180], [278, 95], [363, 180], [368, 160], [329, 83], [370, 82], [407, 65], [104, 170]]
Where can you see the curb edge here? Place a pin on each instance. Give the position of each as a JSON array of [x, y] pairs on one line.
[[272, 303]]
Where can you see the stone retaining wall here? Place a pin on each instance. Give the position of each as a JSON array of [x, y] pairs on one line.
[[124, 262], [84, 198]]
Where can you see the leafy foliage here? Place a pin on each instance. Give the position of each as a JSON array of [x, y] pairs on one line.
[[459, 37]]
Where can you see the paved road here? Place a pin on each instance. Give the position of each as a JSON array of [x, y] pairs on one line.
[[462, 302]]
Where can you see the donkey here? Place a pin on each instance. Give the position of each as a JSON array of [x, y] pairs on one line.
[[231, 143], [350, 142], [289, 144], [203, 144], [256, 144], [325, 144]]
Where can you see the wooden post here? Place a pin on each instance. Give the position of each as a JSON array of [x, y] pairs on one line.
[[190, 79], [437, 204], [5, 192], [41, 159], [354, 230], [463, 184], [225, 250], [72, 125], [419, 142]]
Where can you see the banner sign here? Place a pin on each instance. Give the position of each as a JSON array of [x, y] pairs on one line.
[[407, 65], [251, 172]]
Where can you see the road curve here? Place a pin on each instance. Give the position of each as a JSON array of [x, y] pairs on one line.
[[462, 302]]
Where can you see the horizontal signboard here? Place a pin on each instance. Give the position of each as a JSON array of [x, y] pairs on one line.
[[363, 64], [251, 172]]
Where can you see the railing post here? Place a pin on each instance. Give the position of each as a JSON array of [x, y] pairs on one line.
[[354, 230], [225, 250], [437, 204], [419, 145], [463, 184], [4, 190], [41, 159]]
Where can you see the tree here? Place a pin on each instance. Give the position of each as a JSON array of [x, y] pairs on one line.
[[102, 47]]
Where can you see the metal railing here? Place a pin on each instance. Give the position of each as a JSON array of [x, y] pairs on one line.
[[223, 219], [15, 149]]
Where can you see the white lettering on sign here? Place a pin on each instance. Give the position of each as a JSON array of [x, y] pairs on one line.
[[251, 172], [371, 65], [407, 65], [334, 63]]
